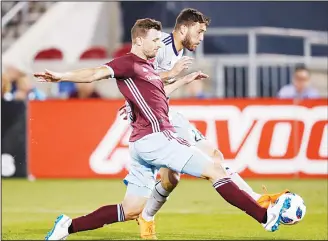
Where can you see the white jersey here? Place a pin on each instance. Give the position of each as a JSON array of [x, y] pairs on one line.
[[167, 56], [165, 59]]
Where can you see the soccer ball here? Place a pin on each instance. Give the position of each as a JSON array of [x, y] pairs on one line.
[[295, 210]]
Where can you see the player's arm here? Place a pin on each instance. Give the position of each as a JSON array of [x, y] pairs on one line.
[[86, 75], [119, 68], [179, 66], [170, 88], [165, 76]]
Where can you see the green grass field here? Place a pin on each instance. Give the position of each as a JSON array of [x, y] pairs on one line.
[[194, 211]]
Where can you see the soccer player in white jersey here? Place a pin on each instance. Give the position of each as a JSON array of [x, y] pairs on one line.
[[188, 33]]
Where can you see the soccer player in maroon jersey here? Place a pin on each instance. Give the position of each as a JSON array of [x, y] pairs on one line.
[[188, 32], [153, 142]]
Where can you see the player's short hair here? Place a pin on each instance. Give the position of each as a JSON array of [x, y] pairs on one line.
[[141, 27], [189, 16]]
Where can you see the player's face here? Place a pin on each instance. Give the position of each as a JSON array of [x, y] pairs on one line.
[[151, 43], [194, 36]]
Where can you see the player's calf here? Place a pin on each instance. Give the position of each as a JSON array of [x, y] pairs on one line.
[[263, 200], [216, 173], [160, 194], [200, 165]]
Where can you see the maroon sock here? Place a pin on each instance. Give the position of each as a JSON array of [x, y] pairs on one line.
[[240, 199], [97, 219]]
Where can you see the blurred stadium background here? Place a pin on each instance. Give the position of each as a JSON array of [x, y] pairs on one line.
[[64, 131]]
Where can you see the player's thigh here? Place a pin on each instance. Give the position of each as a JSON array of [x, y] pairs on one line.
[[189, 132], [164, 149], [141, 174], [208, 148], [168, 150], [198, 163], [201, 165]]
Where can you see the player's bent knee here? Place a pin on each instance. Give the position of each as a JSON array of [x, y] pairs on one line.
[[214, 172], [218, 156], [133, 206], [131, 211], [170, 181], [219, 170]]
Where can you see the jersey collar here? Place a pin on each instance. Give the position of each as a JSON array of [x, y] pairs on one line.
[[173, 45]]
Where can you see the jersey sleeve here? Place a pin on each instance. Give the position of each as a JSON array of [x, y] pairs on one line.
[[121, 68]]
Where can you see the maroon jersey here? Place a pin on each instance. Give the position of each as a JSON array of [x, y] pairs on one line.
[[142, 87]]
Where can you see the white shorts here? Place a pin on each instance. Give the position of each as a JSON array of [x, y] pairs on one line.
[[185, 129]]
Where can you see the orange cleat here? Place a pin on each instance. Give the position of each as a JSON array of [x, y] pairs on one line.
[[265, 200], [147, 229]]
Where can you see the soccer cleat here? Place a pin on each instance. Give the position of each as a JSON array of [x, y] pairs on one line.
[[265, 200], [147, 228], [60, 229], [274, 213]]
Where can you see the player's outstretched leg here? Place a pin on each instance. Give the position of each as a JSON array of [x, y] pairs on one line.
[[263, 200], [201, 165], [160, 194], [130, 209], [105, 215]]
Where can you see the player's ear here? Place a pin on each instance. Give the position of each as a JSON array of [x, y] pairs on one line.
[[183, 30], [139, 41]]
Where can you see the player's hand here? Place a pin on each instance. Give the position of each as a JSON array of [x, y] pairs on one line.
[[181, 65], [199, 75], [49, 76]]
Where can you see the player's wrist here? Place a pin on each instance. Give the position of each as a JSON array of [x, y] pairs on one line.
[[187, 79], [64, 76], [171, 74], [69, 76]]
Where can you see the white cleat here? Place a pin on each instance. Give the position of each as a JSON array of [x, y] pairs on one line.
[[60, 229], [274, 213]]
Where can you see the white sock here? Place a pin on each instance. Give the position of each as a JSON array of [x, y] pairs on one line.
[[157, 199], [242, 184]]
